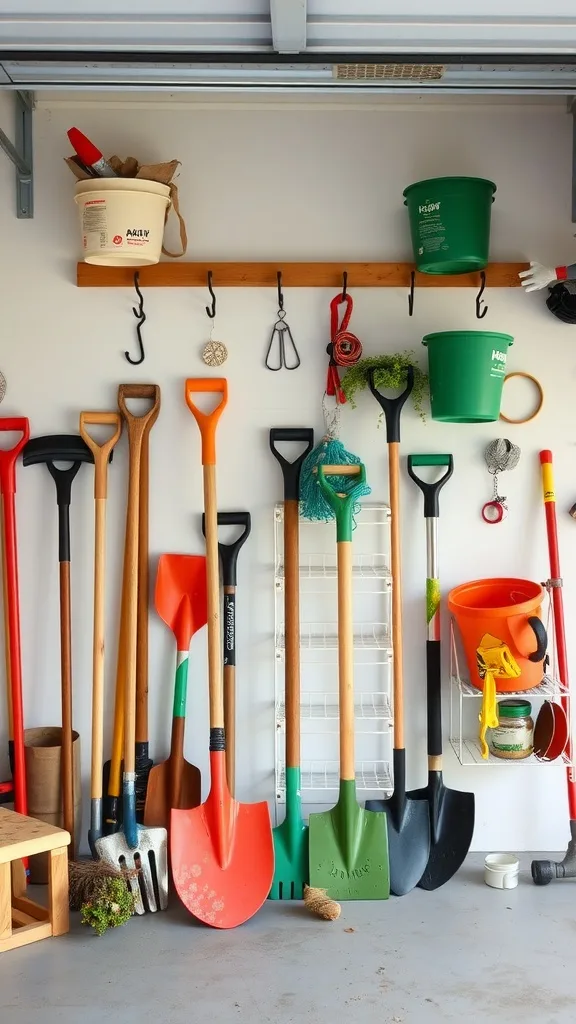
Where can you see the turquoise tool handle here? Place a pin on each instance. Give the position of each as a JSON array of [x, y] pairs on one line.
[[342, 505], [431, 460]]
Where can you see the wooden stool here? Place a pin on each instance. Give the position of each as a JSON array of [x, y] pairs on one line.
[[21, 920]]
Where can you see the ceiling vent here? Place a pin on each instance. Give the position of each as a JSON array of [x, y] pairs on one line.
[[388, 72]]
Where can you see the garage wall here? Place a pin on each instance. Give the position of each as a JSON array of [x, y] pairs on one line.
[[284, 182]]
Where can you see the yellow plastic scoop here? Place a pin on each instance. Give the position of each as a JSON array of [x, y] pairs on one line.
[[495, 661]]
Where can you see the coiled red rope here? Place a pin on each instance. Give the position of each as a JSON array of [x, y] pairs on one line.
[[344, 349]]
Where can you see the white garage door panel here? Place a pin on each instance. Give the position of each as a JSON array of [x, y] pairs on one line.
[[509, 25]]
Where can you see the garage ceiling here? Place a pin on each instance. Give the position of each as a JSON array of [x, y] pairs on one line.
[[290, 45]]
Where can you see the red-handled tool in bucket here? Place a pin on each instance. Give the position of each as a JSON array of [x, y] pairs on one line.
[[8, 459], [543, 871]]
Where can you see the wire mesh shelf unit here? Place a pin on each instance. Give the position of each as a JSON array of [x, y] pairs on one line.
[[464, 711], [372, 584]]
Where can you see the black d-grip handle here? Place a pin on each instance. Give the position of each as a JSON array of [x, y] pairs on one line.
[[291, 470], [541, 635], [431, 491], [229, 552], [59, 448], [392, 407]]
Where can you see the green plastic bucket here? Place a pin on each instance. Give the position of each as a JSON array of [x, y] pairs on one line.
[[450, 223], [466, 371]]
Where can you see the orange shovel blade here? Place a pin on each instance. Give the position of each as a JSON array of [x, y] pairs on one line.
[[180, 595], [222, 854]]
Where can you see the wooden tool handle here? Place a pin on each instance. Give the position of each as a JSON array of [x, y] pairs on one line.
[[213, 601], [101, 452], [136, 426], [98, 649], [346, 661], [396, 563], [143, 586], [292, 633], [67, 769]]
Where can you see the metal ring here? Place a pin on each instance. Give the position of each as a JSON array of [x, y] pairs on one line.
[[527, 419]]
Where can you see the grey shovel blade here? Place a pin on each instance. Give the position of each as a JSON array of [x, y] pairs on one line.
[[150, 857], [451, 816], [408, 840]]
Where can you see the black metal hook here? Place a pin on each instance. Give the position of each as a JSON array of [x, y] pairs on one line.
[[211, 312], [280, 293], [479, 302], [344, 285], [141, 318], [411, 293]]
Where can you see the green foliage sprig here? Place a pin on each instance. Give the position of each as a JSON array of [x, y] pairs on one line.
[[111, 905], [390, 372]]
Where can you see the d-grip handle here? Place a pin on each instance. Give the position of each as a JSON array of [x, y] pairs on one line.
[[291, 470], [151, 392], [431, 491], [229, 552], [341, 504], [207, 422], [9, 456], [392, 407], [102, 453], [541, 635]]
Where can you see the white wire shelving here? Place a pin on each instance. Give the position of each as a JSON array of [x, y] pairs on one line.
[[323, 707], [323, 636], [323, 776], [372, 586], [464, 714]]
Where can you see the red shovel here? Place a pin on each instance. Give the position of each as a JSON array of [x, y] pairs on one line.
[[8, 460], [221, 853]]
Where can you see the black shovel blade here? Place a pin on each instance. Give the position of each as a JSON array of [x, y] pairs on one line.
[[451, 816], [408, 822]]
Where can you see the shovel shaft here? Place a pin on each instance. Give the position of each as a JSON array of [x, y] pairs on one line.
[[66, 683], [345, 661], [397, 657], [13, 641], [230, 683], [213, 600], [178, 725], [292, 632]]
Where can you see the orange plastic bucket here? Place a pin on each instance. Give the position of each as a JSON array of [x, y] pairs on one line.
[[508, 610]]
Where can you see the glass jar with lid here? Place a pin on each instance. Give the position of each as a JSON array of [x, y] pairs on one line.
[[513, 737]]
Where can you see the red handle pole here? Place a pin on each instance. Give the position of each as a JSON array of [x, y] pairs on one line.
[[549, 495], [13, 639]]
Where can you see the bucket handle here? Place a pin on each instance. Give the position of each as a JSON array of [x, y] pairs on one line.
[[541, 635]]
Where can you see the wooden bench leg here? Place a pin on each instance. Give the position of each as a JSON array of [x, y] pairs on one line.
[[5, 901], [18, 878], [58, 890]]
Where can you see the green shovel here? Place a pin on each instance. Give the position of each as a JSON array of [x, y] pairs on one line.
[[348, 845], [291, 837]]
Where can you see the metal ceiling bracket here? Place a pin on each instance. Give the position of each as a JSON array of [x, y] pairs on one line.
[[288, 19], [21, 154]]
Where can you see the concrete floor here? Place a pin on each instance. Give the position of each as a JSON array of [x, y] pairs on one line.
[[462, 953]]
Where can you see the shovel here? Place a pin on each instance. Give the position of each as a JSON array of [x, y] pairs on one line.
[[180, 600], [408, 820], [50, 450], [222, 853], [101, 453], [291, 837], [8, 459], [229, 559], [135, 846], [451, 812], [348, 845]]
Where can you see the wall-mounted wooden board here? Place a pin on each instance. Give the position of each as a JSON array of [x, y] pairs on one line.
[[294, 275]]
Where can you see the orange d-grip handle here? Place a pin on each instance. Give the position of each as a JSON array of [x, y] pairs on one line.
[[207, 422]]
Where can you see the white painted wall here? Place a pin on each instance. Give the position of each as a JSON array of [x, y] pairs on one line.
[[284, 183]]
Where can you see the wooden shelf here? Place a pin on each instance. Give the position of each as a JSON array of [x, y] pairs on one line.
[[294, 275]]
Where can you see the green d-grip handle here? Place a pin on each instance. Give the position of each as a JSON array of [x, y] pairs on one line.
[[341, 504], [431, 491]]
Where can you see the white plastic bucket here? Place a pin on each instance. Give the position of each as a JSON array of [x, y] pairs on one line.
[[501, 870], [122, 220]]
